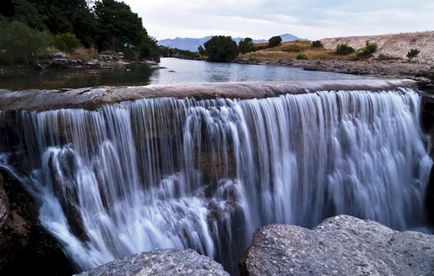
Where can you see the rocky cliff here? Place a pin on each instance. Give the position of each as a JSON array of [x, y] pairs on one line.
[[393, 45]]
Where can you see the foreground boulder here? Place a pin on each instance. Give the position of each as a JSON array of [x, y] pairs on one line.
[[341, 245], [161, 262]]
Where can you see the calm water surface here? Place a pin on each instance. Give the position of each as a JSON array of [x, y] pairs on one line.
[[172, 71]]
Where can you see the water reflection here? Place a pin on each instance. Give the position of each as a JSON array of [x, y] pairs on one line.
[[171, 71]]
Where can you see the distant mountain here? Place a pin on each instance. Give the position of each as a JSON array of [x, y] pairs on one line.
[[191, 44]]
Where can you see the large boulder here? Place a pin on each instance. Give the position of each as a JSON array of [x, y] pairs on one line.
[[25, 247], [342, 245], [165, 262]]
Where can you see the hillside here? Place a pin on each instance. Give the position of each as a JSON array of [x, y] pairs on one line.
[[191, 44], [393, 45]]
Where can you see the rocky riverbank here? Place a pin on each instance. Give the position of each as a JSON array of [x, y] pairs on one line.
[[389, 69]]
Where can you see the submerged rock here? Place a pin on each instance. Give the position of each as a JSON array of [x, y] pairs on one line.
[[161, 262], [342, 245]]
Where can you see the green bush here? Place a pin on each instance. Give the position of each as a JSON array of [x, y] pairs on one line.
[[413, 53], [344, 49], [301, 56], [274, 41], [66, 42], [20, 44], [221, 49], [316, 44], [246, 45], [368, 50]]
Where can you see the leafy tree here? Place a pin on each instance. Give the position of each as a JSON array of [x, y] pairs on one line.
[[344, 49], [221, 49], [21, 44], [7, 8], [274, 41], [201, 50], [118, 25], [66, 42], [246, 45], [413, 53], [317, 44]]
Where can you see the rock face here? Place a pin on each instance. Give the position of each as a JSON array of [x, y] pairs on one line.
[[25, 247], [342, 245], [393, 45], [161, 262]]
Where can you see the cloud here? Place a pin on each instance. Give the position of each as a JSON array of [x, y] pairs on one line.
[[311, 19]]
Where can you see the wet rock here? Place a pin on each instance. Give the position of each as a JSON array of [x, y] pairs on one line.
[[161, 262], [342, 245], [92, 98], [25, 247]]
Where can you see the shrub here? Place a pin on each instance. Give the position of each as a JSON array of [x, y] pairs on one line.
[[221, 49], [301, 56], [368, 50], [274, 41], [413, 53], [316, 44], [21, 44], [344, 49], [66, 42], [246, 45]]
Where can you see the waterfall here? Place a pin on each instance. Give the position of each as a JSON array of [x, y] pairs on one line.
[[204, 174]]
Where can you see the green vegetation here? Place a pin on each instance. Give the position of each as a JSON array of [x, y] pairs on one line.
[[21, 44], [274, 41], [246, 45], [221, 49], [201, 50], [301, 56], [368, 50], [413, 53], [104, 24], [344, 49], [66, 42], [316, 44], [178, 53]]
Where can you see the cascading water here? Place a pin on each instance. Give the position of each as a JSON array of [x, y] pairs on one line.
[[204, 174]]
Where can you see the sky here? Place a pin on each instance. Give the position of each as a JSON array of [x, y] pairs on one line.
[[310, 19]]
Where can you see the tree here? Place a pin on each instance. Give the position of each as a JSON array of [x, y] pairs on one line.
[[21, 44], [120, 29], [201, 50], [60, 16], [246, 45], [274, 41], [316, 44], [221, 49]]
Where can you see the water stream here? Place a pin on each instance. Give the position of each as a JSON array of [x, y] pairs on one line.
[[204, 174]]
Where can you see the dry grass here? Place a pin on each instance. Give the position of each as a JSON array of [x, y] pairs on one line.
[[290, 51], [84, 54]]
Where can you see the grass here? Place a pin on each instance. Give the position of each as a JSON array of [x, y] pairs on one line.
[[291, 50]]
